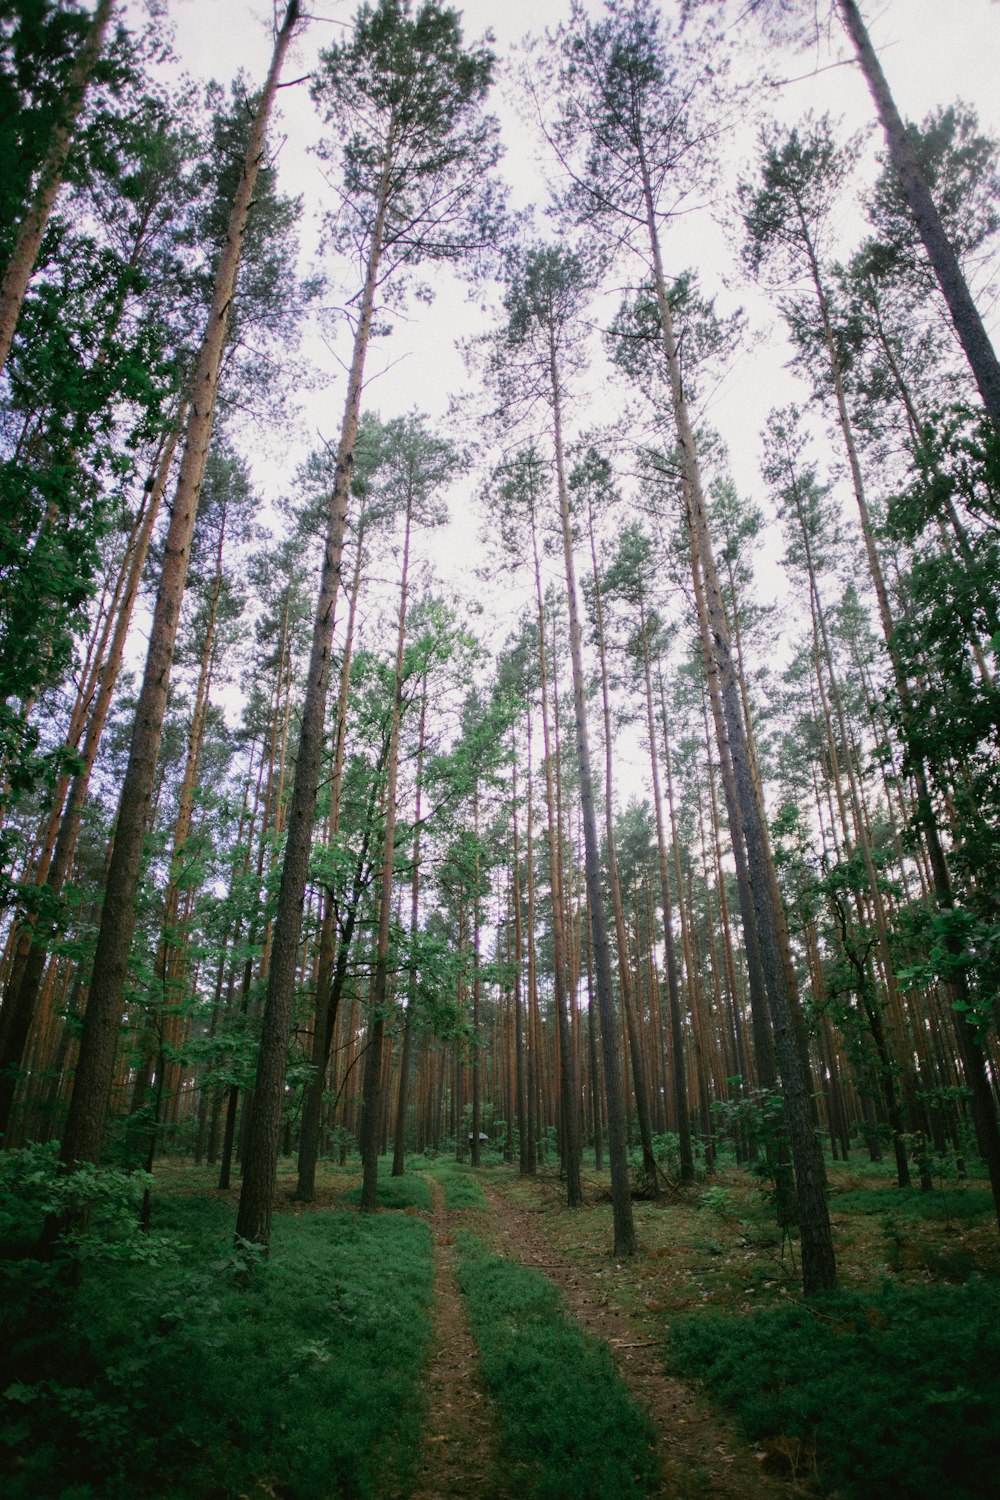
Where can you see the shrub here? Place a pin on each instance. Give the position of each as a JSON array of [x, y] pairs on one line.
[[182, 1380], [897, 1390]]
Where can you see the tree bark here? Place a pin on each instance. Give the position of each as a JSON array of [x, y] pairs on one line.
[[29, 237], [254, 1218], [624, 1228], [95, 1070], [818, 1263], [372, 1087], [402, 1098], [964, 314]]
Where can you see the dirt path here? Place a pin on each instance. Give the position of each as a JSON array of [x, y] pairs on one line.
[[460, 1439], [701, 1454]]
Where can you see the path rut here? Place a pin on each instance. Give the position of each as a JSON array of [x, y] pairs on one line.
[[702, 1456], [460, 1439]]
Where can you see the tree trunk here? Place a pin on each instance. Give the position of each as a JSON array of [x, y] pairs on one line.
[[254, 1218], [681, 1111], [625, 1240], [818, 1264], [332, 973], [964, 314], [398, 1155], [29, 237], [639, 1080], [569, 1139], [95, 1070], [373, 1056]]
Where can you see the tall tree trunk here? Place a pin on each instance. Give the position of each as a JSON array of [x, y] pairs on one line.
[[625, 1241], [372, 1086], [332, 971], [639, 1079], [254, 1218], [402, 1098], [534, 1053], [477, 1045], [681, 1111], [95, 1070], [818, 1264], [964, 314], [568, 1138], [29, 237]]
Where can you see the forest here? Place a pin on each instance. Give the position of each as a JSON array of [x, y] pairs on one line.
[[499, 862]]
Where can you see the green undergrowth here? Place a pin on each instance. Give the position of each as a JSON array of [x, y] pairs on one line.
[[410, 1191], [178, 1377], [893, 1392], [570, 1427], [952, 1202], [461, 1190]]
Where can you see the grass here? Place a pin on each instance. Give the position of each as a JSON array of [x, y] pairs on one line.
[[893, 1392], [461, 1190], [952, 1202], [171, 1377], [891, 1389], [569, 1426], [410, 1191]]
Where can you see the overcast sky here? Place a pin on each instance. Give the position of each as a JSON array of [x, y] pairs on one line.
[[933, 52]]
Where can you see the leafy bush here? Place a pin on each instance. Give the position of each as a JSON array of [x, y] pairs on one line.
[[898, 1390], [569, 1425], [32, 1188], [183, 1380]]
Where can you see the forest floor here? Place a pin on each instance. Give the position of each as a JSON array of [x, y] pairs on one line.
[[698, 1453], [477, 1338], [459, 1455], [714, 1250]]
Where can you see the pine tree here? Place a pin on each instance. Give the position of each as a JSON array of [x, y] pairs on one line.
[[85, 1127]]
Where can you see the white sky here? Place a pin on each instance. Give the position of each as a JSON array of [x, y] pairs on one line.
[[933, 52]]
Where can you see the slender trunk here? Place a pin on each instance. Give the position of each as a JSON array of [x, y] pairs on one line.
[[534, 1053], [574, 1191], [371, 1088], [477, 1048], [625, 1240], [964, 314], [398, 1157], [639, 1080], [818, 1264], [95, 1070], [30, 235], [254, 1219], [520, 1075], [681, 1111], [332, 973]]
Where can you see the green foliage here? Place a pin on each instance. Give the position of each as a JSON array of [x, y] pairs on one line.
[[180, 1380], [570, 1427], [951, 1203], [402, 88], [461, 1190], [898, 1389], [32, 1188], [410, 1191]]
